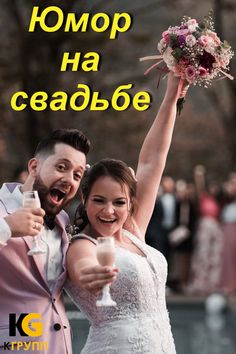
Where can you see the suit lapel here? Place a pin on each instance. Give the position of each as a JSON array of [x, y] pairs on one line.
[[61, 220], [38, 259]]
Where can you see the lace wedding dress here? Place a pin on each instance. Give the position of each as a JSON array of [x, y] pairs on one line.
[[140, 322]]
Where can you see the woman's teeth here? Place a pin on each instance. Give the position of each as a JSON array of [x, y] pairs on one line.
[[107, 220]]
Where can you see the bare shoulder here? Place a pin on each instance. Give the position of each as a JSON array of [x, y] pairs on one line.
[[83, 236], [81, 247]]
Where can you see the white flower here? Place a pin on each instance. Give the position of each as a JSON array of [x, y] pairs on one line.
[[192, 25], [161, 45], [168, 58], [190, 40]]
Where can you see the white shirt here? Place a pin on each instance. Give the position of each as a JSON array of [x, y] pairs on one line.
[[229, 213], [49, 240], [168, 202]]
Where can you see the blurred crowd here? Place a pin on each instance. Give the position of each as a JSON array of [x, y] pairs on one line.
[[194, 226]]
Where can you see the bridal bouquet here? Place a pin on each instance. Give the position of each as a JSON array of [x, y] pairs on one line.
[[194, 52]]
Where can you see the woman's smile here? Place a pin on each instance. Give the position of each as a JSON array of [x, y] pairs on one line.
[[107, 206]]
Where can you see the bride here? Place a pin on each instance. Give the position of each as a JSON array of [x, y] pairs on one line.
[[117, 204]]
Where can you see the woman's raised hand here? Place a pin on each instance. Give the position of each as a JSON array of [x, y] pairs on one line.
[[177, 86]]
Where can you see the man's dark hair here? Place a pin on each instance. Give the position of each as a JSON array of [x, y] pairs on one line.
[[72, 137]]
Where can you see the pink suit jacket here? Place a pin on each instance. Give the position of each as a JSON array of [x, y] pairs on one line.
[[23, 288]]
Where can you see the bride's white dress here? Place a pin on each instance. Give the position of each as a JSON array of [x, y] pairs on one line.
[[140, 322]]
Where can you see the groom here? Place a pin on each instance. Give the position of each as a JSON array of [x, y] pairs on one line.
[[32, 314]]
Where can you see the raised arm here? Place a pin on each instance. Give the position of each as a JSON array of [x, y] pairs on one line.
[[154, 151]]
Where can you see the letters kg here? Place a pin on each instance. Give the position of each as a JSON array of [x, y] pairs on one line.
[[24, 324]]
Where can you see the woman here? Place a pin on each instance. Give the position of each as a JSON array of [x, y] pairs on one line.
[[228, 218], [206, 262], [118, 205]]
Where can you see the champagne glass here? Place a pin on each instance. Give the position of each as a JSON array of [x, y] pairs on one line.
[[31, 200], [106, 257]]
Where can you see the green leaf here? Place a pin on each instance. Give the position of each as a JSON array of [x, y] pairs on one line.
[[177, 53], [197, 34], [173, 39], [202, 25]]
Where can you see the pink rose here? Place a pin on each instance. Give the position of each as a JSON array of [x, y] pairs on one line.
[[213, 37], [216, 39], [203, 40], [190, 73], [202, 72], [166, 36]]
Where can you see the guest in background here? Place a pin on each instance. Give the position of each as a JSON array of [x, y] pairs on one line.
[[186, 216], [228, 218], [206, 267], [163, 219]]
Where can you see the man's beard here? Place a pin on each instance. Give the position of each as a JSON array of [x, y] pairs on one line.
[[44, 192]]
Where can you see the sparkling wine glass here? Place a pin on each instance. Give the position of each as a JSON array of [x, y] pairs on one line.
[[106, 257], [31, 200]]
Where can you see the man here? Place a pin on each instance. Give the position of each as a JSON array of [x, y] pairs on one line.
[[33, 284], [163, 220]]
